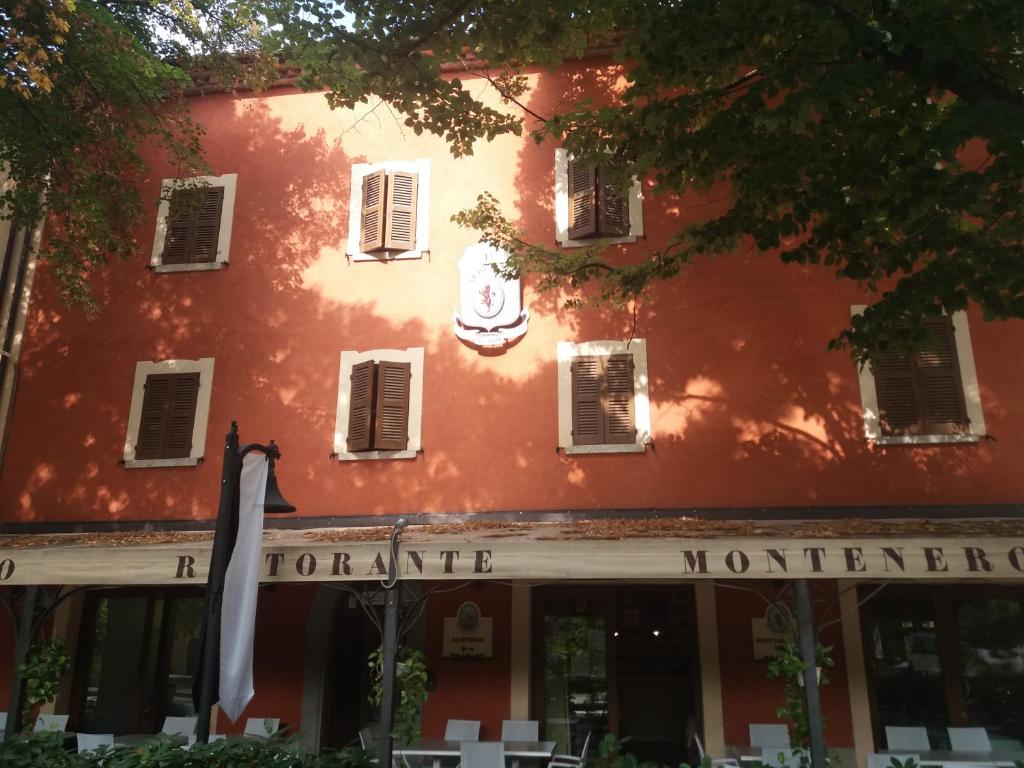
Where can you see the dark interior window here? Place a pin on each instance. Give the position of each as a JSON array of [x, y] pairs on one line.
[[138, 654]]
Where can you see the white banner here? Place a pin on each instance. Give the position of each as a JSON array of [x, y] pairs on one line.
[[241, 582]]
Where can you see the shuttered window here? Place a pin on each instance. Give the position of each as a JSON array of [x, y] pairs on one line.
[[921, 393], [168, 416], [596, 207], [388, 217], [379, 406], [193, 225], [603, 400]]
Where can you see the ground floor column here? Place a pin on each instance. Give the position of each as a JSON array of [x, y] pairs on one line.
[[856, 673], [710, 679], [519, 666]]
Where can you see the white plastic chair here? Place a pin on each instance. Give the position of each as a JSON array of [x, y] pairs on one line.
[[462, 730], [179, 726], [1000, 744], [769, 734], [89, 742], [57, 723], [520, 730], [701, 755], [876, 760], [571, 761], [262, 727], [780, 757], [482, 754], [969, 740], [913, 738]]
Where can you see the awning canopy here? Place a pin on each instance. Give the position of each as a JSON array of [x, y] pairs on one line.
[[642, 549]]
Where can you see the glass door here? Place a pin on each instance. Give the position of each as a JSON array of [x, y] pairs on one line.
[[138, 655], [616, 659], [575, 680]]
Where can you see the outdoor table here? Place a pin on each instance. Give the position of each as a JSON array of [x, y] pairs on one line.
[[438, 749], [945, 758]]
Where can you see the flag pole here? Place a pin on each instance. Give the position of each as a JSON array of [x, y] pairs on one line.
[[223, 540], [207, 677], [389, 649]]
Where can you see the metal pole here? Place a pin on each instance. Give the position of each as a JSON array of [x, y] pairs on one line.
[[227, 521], [809, 655], [389, 651], [22, 643]]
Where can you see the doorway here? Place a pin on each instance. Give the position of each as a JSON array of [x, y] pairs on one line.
[[620, 660], [346, 706]]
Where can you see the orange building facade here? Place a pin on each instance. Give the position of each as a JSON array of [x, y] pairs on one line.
[[621, 583]]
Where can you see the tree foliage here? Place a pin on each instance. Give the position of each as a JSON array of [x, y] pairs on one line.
[[840, 128], [84, 85]]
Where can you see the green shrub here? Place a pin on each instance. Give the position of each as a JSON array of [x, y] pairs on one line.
[[46, 750]]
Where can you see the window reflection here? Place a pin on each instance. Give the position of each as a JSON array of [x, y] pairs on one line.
[[140, 653], [990, 638], [942, 657]]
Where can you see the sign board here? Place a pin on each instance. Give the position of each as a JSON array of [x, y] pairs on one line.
[[534, 552], [468, 635], [767, 642]]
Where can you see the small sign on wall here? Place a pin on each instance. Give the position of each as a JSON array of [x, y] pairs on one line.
[[468, 635], [767, 642]]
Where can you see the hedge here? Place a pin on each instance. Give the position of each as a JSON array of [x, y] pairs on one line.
[[47, 750]]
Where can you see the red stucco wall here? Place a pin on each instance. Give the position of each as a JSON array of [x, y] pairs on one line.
[[749, 409], [469, 690], [748, 695], [278, 657]]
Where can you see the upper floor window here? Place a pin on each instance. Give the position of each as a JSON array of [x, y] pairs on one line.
[[380, 404], [589, 206], [169, 412], [927, 396], [388, 210], [193, 230], [603, 404]]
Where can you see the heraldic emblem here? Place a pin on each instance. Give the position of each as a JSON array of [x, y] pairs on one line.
[[491, 313]]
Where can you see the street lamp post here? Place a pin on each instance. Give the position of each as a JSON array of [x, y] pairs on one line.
[[223, 543]]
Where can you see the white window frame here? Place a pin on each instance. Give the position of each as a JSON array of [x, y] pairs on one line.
[[355, 209], [144, 368], [968, 377], [636, 209], [230, 183], [413, 356], [567, 351]]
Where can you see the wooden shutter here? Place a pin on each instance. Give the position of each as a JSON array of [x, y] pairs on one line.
[[938, 369], [178, 238], [156, 396], [922, 393], [206, 229], [587, 419], [168, 416], [400, 227], [193, 225], [619, 421], [612, 208], [582, 200], [181, 416], [391, 430], [371, 227], [360, 407], [896, 389]]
